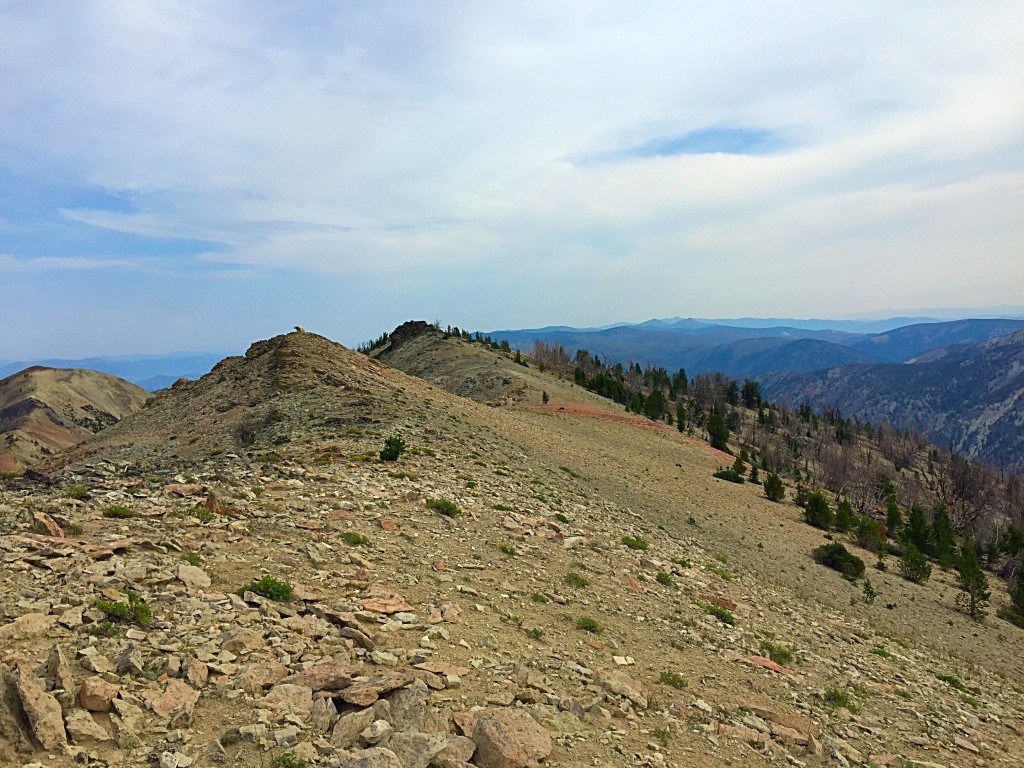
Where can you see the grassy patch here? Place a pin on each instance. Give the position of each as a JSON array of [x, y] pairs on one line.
[[954, 681], [777, 653], [192, 558], [119, 512], [540, 597], [720, 572], [722, 614], [536, 633], [561, 518], [573, 579], [838, 697], [664, 578], [587, 624], [77, 492], [269, 587], [673, 679], [635, 542], [354, 539], [570, 473], [134, 611], [881, 652], [445, 507], [508, 549]]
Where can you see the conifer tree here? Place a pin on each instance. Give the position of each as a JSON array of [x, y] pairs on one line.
[[974, 599]]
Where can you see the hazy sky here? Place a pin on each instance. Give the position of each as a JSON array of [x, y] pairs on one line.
[[186, 176]]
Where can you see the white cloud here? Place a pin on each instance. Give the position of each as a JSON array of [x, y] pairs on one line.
[[440, 139]]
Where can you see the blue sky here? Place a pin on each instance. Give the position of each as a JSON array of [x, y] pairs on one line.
[[195, 176]]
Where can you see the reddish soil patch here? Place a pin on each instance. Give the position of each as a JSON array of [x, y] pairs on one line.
[[633, 421]]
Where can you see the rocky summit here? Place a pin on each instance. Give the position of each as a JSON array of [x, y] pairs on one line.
[[241, 574]]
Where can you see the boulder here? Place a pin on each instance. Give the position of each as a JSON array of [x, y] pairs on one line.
[[508, 738]]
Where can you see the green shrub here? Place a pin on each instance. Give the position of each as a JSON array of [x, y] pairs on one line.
[[77, 492], [535, 633], [972, 580], [354, 539], [102, 629], [588, 624], [540, 597], [953, 680], [634, 542], [838, 697], [722, 614], [508, 549], [846, 518], [1011, 616], [664, 578], [838, 558], [119, 512], [869, 534], [730, 474], [673, 679], [192, 558], [561, 518], [135, 610], [270, 588], [574, 579], [394, 447], [288, 760], [444, 507], [914, 566], [817, 512], [773, 487], [777, 653]]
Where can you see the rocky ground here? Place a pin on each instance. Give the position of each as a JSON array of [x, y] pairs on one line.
[[592, 597]]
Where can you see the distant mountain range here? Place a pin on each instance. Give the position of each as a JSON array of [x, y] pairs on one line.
[[699, 346], [959, 382], [151, 372]]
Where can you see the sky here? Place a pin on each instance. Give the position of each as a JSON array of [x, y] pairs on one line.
[[198, 175]]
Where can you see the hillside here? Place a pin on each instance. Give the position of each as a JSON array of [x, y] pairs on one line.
[[972, 401], [46, 410], [151, 372], [463, 370], [902, 344], [568, 605]]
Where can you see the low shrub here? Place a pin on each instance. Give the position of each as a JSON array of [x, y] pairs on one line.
[[817, 512], [673, 679], [354, 539], [634, 542], [838, 558], [394, 446], [722, 614], [587, 624], [730, 475], [773, 487], [135, 610], [444, 507], [664, 578], [914, 566], [270, 588], [119, 512], [574, 579]]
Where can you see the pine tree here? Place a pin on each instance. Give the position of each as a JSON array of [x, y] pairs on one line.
[[893, 518], [718, 432], [974, 599], [942, 533], [773, 487], [918, 530]]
